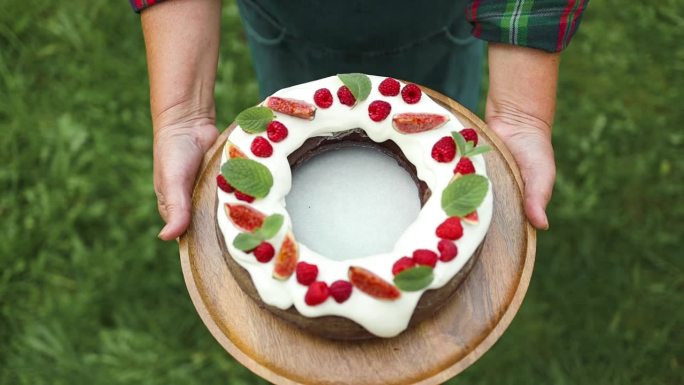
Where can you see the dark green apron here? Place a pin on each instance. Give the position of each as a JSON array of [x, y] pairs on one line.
[[427, 42]]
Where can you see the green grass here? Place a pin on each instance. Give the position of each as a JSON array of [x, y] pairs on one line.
[[88, 295]]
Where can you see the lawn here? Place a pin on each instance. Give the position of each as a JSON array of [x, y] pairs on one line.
[[88, 295]]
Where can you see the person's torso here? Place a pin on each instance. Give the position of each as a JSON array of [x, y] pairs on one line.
[[362, 25]]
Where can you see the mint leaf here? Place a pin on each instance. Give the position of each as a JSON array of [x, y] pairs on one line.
[[460, 142], [468, 149], [248, 176], [359, 85], [464, 195], [246, 241], [255, 119], [469, 146], [270, 228], [479, 150], [415, 278]]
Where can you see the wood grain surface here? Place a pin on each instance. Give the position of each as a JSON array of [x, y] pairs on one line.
[[429, 353]]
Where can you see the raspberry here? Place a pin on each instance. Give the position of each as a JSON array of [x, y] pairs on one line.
[[389, 87], [306, 273], [323, 98], [464, 166], [345, 96], [244, 197], [469, 135], [451, 228], [402, 264], [276, 131], [340, 290], [444, 150], [264, 252], [425, 257], [317, 293], [261, 147], [447, 250], [411, 93], [223, 184], [379, 110]]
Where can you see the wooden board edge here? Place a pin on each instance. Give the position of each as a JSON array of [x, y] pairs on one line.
[[439, 377], [530, 254], [197, 298]]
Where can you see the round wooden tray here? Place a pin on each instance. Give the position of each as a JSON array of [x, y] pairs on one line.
[[430, 353]]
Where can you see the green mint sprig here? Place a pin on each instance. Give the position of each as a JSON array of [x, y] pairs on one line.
[[255, 119], [359, 85], [468, 149], [415, 278], [270, 227], [464, 195], [248, 176]]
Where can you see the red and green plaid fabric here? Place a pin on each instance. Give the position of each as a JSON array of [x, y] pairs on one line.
[[139, 5], [543, 24]]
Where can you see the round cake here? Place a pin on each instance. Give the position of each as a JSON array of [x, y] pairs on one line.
[[376, 295]]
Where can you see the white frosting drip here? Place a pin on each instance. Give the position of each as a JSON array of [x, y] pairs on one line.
[[380, 317]]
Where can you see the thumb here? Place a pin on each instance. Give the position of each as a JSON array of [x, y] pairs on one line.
[[174, 205], [533, 153], [539, 179]]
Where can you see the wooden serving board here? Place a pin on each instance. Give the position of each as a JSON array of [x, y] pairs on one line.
[[430, 353]]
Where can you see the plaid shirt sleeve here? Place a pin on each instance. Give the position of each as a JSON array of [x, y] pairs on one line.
[[139, 5], [545, 24]]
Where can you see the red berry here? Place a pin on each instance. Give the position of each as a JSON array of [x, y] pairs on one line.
[[469, 134], [451, 228], [317, 293], [378, 110], [464, 166], [444, 150], [425, 257], [402, 264], [244, 197], [223, 184], [340, 290], [276, 131], [447, 250], [323, 98], [264, 252], [261, 147], [306, 273], [389, 87], [411, 93], [345, 96]]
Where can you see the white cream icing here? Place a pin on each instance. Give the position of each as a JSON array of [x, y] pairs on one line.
[[382, 318]]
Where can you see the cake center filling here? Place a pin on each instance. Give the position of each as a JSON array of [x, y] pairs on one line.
[[351, 202]]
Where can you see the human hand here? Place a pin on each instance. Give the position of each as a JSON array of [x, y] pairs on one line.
[[182, 70], [521, 104], [178, 152], [529, 141]]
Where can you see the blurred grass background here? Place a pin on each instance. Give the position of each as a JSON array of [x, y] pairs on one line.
[[88, 295]]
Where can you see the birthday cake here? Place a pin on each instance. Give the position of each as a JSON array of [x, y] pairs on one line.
[[376, 295]]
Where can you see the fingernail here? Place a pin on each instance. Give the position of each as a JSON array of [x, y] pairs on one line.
[[161, 232]]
